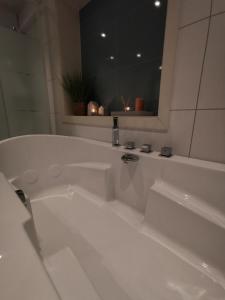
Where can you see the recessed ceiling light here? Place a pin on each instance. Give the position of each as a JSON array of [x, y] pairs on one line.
[[160, 67], [139, 55], [157, 3], [103, 35], [111, 57]]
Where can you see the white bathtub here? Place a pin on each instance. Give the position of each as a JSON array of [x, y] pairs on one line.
[[153, 229]]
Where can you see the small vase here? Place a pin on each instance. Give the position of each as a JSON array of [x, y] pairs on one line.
[[79, 109], [139, 104]]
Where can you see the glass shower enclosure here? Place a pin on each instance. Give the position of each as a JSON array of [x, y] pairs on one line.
[[24, 105]]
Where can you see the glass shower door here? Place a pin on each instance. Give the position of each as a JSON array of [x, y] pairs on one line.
[[4, 130], [24, 105]]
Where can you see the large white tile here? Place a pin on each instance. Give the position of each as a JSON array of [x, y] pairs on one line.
[[194, 10], [180, 131], [209, 136], [212, 92], [189, 59], [218, 6]]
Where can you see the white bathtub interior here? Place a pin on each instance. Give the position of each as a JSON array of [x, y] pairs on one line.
[[154, 229]]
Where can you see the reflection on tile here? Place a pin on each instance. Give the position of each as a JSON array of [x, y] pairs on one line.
[[212, 92], [189, 59], [194, 10], [209, 136], [218, 6]]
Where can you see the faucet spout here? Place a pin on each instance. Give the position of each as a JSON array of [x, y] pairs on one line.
[[129, 157]]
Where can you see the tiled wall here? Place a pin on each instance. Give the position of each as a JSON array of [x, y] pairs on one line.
[[197, 124], [7, 17]]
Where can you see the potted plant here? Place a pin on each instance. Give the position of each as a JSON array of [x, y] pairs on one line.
[[78, 89]]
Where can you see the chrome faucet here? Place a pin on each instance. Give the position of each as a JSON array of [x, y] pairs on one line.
[[129, 157]]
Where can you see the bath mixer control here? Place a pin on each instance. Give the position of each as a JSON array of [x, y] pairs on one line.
[[129, 157]]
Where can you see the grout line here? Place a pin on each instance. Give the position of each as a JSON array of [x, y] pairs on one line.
[[192, 23], [200, 82], [202, 19], [218, 13], [194, 109]]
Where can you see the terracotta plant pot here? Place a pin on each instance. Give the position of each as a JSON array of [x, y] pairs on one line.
[[79, 109]]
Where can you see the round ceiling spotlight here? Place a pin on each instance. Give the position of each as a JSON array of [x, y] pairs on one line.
[[157, 3], [103, 35]]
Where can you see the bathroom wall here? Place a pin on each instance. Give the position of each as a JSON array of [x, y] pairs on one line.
[[7, 17], [197, 120]]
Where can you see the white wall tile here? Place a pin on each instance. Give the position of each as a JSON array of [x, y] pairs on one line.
[[189, 59], [212, 92], [218, 6], [209, 136], [194, 10], [180, 131]]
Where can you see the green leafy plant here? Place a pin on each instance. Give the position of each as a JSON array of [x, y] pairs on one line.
[[77, 87]]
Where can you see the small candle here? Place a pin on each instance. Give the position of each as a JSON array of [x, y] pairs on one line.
[[93, 111], [127, 108], [101, 111]]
